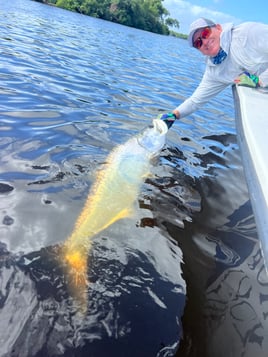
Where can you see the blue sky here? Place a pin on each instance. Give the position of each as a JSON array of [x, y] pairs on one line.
[[219, 11]]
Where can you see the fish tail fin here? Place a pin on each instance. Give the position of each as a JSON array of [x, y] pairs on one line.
[[75, 260]]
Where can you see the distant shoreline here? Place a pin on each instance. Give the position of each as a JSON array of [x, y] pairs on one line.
[[172, 33]]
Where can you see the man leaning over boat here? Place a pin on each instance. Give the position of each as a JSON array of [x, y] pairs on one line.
[[234, 54]]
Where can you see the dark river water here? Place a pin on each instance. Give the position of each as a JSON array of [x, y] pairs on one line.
[[184, 275]]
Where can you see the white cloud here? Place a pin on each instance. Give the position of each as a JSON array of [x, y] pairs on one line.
[[186, 12]]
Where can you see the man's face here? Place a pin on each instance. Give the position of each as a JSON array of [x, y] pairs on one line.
[[209, 39]]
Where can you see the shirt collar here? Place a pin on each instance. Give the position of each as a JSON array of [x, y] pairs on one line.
[[225, 42], [226, 36]]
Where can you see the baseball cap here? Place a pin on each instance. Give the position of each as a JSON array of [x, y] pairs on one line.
[[196, 25]]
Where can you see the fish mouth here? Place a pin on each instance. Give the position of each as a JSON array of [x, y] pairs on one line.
[[160, 126]]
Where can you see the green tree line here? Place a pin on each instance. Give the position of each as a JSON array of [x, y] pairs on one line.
[[149, 15]]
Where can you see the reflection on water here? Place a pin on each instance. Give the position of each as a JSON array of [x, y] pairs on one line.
[[128, 283], [227, 285], [73, 88]]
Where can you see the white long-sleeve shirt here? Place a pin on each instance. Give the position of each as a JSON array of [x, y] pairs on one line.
[[246, 46]]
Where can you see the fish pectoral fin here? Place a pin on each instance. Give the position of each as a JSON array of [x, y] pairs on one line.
[[127, 212]]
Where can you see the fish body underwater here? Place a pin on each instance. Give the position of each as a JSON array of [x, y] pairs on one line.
[[111, 198]]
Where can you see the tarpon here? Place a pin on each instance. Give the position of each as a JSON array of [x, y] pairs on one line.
[[111, 198]]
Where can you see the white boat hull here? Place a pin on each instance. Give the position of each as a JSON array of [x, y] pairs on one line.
[[252, 129]]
